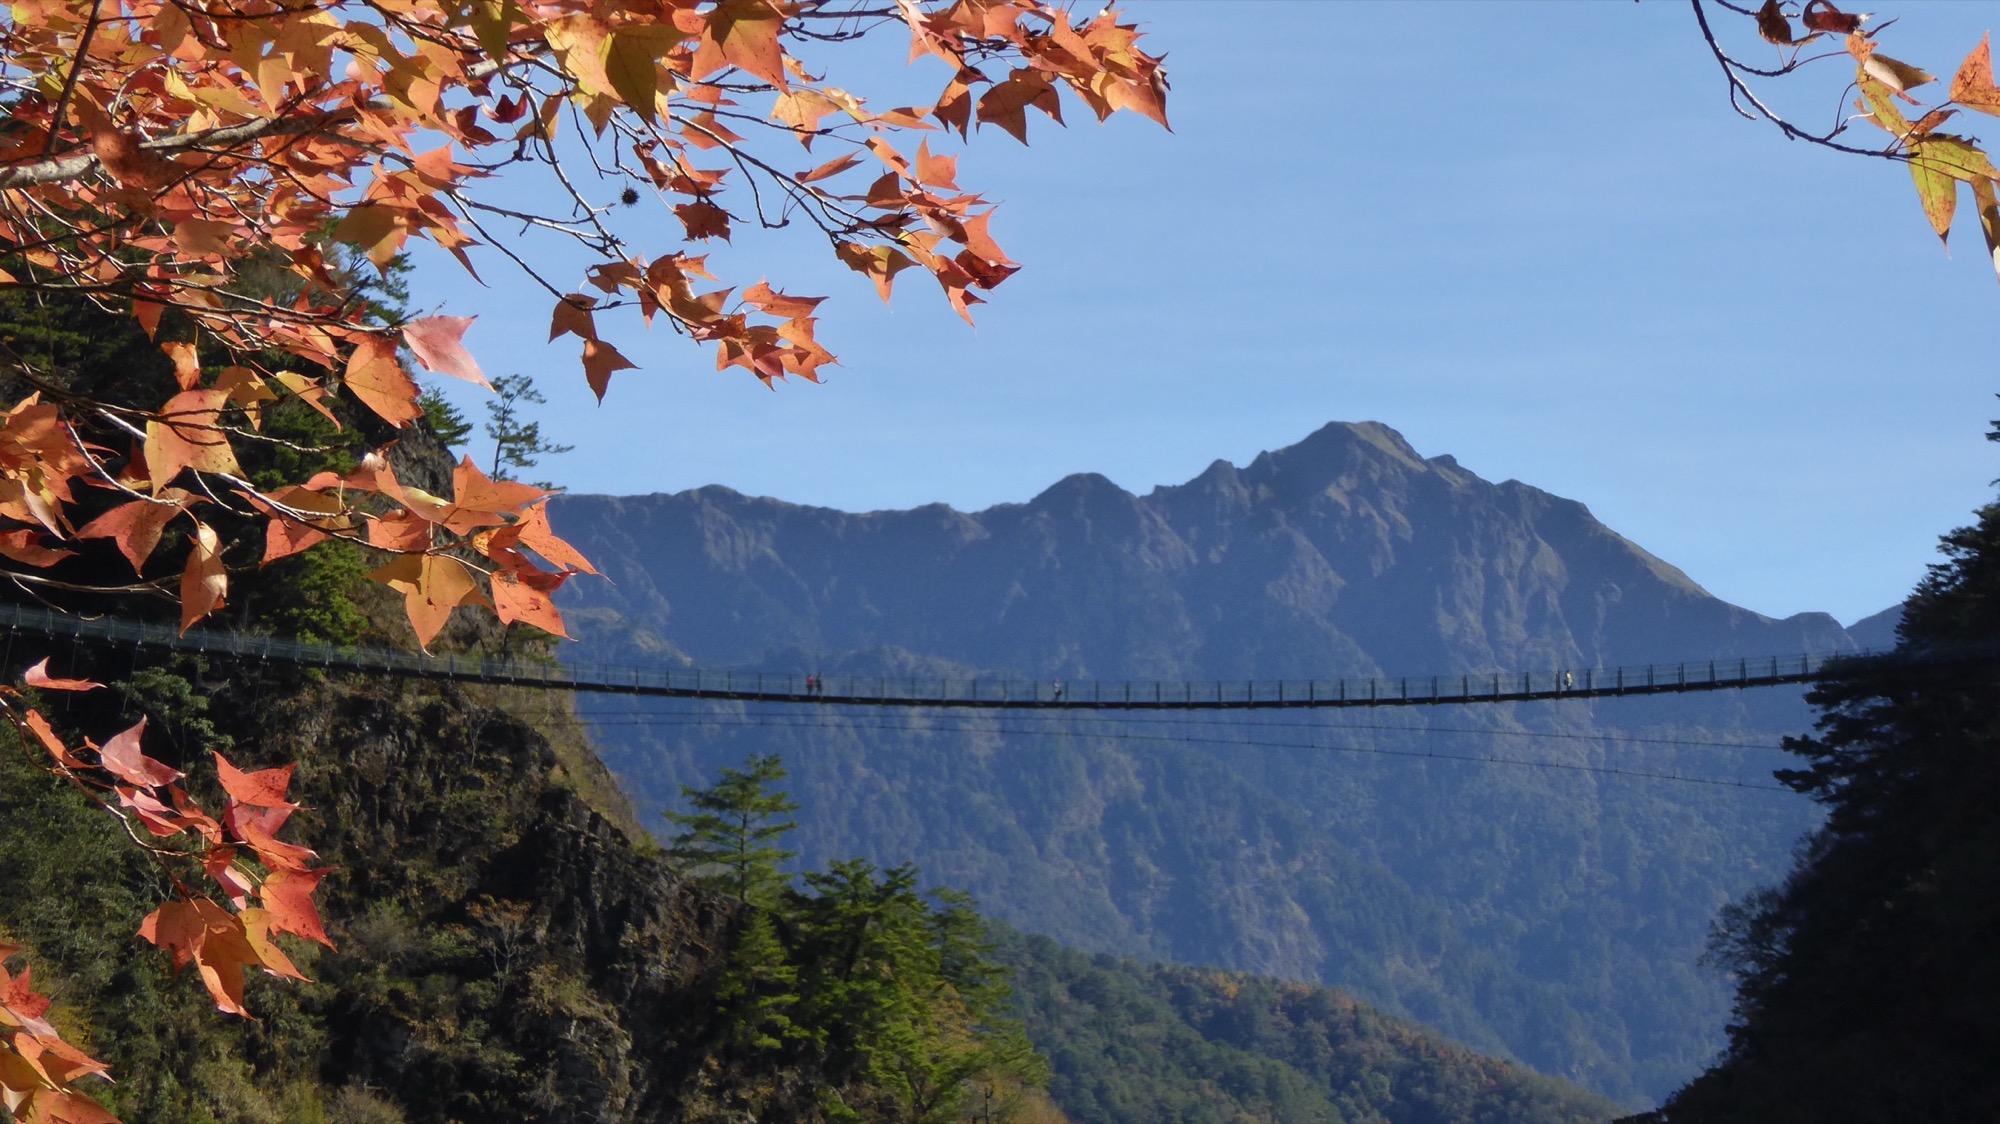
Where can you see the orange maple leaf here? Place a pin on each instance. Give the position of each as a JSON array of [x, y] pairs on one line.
[[263, 788], [38, 676], [377, 378], [743, 34], [516, 600], [437, 342], [432, 586], [205, 581], [44, 733], [1006, 103], [287, 894], [880, 263], [573, 316], [600, 359], [402, 531], [136, 527], [212, 939], [121, 755], [703, 219], [187, 433], [1972, 87], [285, 536]]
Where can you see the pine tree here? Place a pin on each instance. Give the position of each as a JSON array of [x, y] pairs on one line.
[[889, 997], [901, 997], [758, 989], [730, 838], [518, 443]]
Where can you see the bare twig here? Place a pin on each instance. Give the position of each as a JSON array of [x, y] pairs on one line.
[[69, 80], [1740, 92]]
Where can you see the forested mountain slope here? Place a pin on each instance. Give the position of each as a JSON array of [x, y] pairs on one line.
[[1555, 914], [505, 952], [1133, 1043]]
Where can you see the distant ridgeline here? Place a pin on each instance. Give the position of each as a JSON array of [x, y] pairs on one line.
[[1555, 916]]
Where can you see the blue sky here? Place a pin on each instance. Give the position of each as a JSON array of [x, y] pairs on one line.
[[1533, 236]]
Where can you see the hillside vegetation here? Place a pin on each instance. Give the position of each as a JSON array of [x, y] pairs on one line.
[[505, 951], [1133, 1043]]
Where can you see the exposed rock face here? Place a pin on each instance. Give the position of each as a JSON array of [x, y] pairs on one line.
[[1554, 913], [505, 951]]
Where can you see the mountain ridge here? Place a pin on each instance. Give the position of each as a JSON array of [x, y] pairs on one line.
[[1416, 863], [1279, 503]]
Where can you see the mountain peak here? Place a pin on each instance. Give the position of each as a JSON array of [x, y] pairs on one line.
[[1080, 484], [1345, 449], [1348, 437]]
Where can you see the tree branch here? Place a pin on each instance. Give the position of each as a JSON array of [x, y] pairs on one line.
[[69, 80], [62, 169], [1739, 89]]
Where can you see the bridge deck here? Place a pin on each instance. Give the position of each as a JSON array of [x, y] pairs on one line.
[[907, 691]]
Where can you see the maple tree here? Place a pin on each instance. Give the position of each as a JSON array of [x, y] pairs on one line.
[[1939, 162], [208, 167]]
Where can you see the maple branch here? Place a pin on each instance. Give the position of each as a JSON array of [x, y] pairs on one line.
[[202, 480], [815, 203], [267, 439], [573, 228], [817, 10], [154, 587], [62, 169], [611, 243], [109, 479], [61, 109], [121, 423], [1733, 70], [519, 262]]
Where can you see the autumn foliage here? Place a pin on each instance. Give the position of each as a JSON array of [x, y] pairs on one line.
[[161, 149], [235, 887], [212, 168], [1939, 161], [216, 170]]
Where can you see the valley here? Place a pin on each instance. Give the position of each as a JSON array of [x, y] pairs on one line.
[[1556, 914]]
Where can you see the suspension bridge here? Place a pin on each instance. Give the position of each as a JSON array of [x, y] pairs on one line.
[[985, 693]]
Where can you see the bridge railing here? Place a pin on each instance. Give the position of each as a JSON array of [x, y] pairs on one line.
[[917, 690], [1556, 682]]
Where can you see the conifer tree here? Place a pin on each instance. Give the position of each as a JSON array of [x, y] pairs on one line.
[[901, 998], [518, 444], [759, 989], [730, 837], [1867, 981], [888, 997]]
